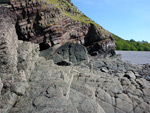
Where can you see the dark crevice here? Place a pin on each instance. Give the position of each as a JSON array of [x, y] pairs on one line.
[[43, 46], [63, 63]]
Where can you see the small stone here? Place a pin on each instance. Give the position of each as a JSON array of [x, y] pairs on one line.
[[108, 108], [130, 75], [143, 83], [116, 89], [101, 94], [139, 110], [146, 92], [124, 105], [104, 69], [147, 99], [90, 106], [21, 84], [124, 97]]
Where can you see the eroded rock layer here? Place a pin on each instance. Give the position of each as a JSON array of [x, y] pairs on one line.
[[30, 83], [47, 24]]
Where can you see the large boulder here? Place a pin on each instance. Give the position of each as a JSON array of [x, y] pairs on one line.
[[71, 53]]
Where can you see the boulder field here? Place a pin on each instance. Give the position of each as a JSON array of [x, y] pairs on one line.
[[64, 78]]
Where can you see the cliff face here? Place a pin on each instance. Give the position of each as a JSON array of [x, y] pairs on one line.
[[55, 22], [31, 83]]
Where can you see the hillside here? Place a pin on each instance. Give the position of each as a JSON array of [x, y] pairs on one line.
[[55, 22], [131, 45]]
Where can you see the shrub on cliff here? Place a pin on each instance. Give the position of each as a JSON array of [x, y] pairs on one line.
[[131, 45]]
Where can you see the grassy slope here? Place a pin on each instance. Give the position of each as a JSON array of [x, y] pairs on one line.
[[69, 10]]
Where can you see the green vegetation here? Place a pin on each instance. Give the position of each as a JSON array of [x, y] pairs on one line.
[[131, 45], [69, 10]]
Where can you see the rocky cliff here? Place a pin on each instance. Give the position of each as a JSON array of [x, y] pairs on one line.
[[31, 82], [55, 22]]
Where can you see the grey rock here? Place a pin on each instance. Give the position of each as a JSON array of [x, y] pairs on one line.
[[125, 81], [130, 75], [8, 42], [139, 110], [143, 83], [146, 91], [124, 97], [27, 56], [101, 94], [52, 105], [1, 86], [119, 74], [85, 104], [117, 110], [7, 102], [31, 83], [84, 90], [147, 99], [90, 106], [8, 58], [98, 64], [69, 52], [116, 88], [124, 105], [104, 69], [20, 85], [108, 108]]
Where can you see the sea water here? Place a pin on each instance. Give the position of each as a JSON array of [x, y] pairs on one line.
[[135, 57]]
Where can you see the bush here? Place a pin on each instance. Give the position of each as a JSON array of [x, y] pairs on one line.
[[131, 45]]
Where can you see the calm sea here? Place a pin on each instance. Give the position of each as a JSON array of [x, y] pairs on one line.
[[136, 57]]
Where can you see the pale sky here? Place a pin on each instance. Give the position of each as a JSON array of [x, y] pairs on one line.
[[129, 19]]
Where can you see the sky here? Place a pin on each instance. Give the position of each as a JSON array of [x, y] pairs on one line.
[[129, 19]]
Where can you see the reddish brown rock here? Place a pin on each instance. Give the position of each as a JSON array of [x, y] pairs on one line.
[[45, 24]]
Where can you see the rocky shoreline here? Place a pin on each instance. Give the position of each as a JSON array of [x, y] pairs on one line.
[[66, 79], [101, 85]]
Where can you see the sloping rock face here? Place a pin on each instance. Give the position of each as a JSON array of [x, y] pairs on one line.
[[33, 84], [12, 81], [7, 45], [30, 83], [49, 24], [40, 22]]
